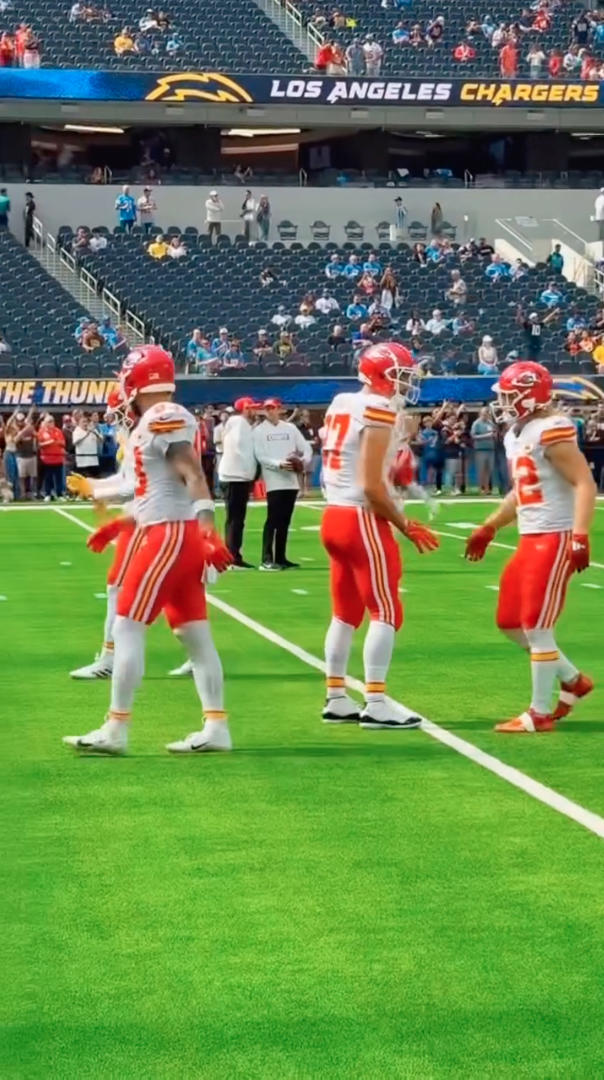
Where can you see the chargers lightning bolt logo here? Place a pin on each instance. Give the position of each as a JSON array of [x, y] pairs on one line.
[[198, 86]]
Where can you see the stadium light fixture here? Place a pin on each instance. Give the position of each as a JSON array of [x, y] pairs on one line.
[[90, 130], [250, 133]]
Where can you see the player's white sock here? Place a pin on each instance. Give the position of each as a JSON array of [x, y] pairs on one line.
[[377, 654], [518, 636], [544, 668], [207, 669], [338, 641], [128, 667], [112, 595], [566, 670]]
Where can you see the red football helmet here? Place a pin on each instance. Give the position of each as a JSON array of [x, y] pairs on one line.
[[522, 388], [389, 369], [118, 411], [149, 368]]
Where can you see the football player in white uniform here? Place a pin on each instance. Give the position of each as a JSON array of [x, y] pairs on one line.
[[176, 540], [552, 500]]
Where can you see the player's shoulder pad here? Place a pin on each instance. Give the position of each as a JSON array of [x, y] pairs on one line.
[[378, 411], [169, 416], [556, 428]]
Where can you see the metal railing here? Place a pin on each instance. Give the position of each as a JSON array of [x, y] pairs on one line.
[[290, 19], [302, 177], [468, 178]]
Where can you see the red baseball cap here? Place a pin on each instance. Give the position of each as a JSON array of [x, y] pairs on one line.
[[272, 403], [246, 403]]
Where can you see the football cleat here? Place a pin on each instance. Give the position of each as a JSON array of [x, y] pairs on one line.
[[184, 669], [203, 742], [388, 716], [570, 694], [101, 668], [341, 710], [527, 722], [108, 739], [270, 566], [287, 565]]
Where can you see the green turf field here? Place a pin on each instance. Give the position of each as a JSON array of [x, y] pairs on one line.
[[323, 903]]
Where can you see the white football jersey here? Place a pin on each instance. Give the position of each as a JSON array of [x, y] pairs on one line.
[[159, 495], [545, 500], [346, 418]]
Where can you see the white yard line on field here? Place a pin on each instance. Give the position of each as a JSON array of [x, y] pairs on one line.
[[586, 818]]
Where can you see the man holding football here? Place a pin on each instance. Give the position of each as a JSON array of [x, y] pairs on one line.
[[552, 500]]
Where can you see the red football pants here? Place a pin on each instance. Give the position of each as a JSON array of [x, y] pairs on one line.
[[365, 566], [532, 588], [125, 546], [164, 574]]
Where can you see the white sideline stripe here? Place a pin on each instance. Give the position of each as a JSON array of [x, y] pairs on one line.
[[300, 592], [494, 588], [586, 818], [588, 585]]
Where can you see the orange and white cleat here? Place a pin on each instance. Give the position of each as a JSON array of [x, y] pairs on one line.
[[570, 694], [528, 722]]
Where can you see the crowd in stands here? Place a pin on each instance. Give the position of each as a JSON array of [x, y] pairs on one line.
[[545, 39], [20, 45], [91, 335]]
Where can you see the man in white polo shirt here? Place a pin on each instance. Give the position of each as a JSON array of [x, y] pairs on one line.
[[236, 473], [283, 454]]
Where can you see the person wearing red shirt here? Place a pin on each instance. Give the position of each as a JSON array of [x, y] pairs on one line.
[[464, 52], [51, 448], [554, 64], [21, 37], [324, 56], [508, 60], [7, 50], [589, 67]]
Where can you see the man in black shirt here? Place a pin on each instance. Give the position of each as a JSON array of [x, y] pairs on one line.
[[28, 215], [533, 330]]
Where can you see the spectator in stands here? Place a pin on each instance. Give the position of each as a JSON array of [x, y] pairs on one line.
[[535, 59], [221, 344], [327, 304], [488, 27], [473, 28], [464, 52], [571, 62], [284, 347], [518, 269], [4, 208], [508, 60], [112, 335], [262, 347], [337, 337], [87, 444], [158, 248], [373, 57], [366, 284], [533, 330], [29, 211], [484, 438], [356, 310], [82, 325], [355, 58], [435, 31], [372, 265], [485, 250], [419, 254], [123, 43], [214, 212], [146, 207], [51, 448], [176, 248], [233, 357], [436, 324], [304, 319], [400, 34], [268, 277], [573, 342], [598, 357], [555, 260], [80, 245], [243, 175], [249, 209], [126, 209], [551, 296], [576, 320], [554, 64], [379, 316], [334, 268], [461, 324], [31, 51], [4, 346], [91, 338], [487, 356], [281, 317], [580, 28], [457, 292], [497, 269], [196, 351], [431, 460], [436, 219], [263, 217], [174, 44], [389, 289], [416, 37], [415, 325], [353, 268], [148, 21], [325, 54], [7, 49]]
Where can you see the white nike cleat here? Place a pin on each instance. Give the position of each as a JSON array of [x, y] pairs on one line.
[[184, 669], [101, 668], [341, 710], [111, 738], [387, 715], [213, 737]]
